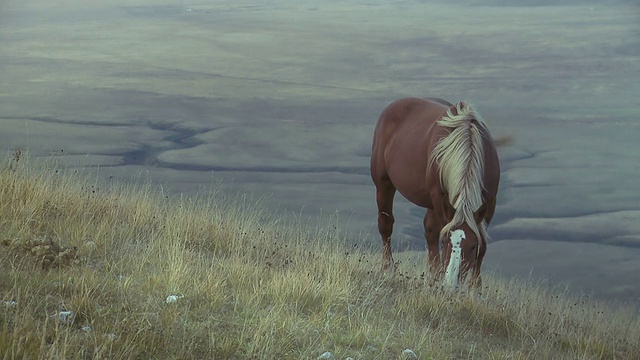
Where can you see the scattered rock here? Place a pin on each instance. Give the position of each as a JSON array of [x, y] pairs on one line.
[[326, 356], [10, 303], [173, 298], [66, 317], [408, 354]]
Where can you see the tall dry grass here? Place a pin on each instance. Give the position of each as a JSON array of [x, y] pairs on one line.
[[247, 286]]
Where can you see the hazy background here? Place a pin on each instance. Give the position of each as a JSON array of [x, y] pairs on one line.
[[280, 98]]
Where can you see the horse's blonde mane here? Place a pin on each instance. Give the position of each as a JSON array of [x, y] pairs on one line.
[[460, 159]]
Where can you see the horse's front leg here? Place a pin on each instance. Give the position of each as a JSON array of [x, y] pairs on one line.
[[384, 198]]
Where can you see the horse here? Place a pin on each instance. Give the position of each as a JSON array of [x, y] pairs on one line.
[[441, 157]]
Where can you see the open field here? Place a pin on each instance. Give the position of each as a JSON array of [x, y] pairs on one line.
[[127, 273], [280, 98]]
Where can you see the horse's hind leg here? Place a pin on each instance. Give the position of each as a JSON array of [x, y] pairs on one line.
[[384, 197], [432, 234]]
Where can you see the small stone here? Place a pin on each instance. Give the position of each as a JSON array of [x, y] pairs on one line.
[[408, 354], [326, 356], [10, 303], [173, 298], [66, 317]]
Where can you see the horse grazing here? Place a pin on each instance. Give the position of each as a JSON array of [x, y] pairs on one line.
[[441, 157]]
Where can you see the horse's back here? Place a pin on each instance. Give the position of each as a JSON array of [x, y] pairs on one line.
[[441, 101], [408, 119], [407, 110]]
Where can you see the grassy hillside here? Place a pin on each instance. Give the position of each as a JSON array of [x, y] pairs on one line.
[[246, 287]]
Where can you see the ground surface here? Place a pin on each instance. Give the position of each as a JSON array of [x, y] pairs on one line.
[[280, 98]]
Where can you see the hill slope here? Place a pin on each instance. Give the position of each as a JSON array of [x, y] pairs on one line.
[[87, 273]]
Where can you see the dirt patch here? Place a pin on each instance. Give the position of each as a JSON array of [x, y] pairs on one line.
[[49, 253]]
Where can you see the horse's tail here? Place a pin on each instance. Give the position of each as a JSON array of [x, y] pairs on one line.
[[460, 159]]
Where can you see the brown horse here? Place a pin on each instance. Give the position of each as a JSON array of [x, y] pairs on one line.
[[442, 157]]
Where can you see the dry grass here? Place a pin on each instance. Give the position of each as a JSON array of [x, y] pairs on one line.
[[247, 287]]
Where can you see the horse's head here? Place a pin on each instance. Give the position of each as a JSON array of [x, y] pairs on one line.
[[462, 250]]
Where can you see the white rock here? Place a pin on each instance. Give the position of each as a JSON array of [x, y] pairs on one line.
[[408, 354], [173, 298], [66, 317], [10, 303], [326, 356]]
